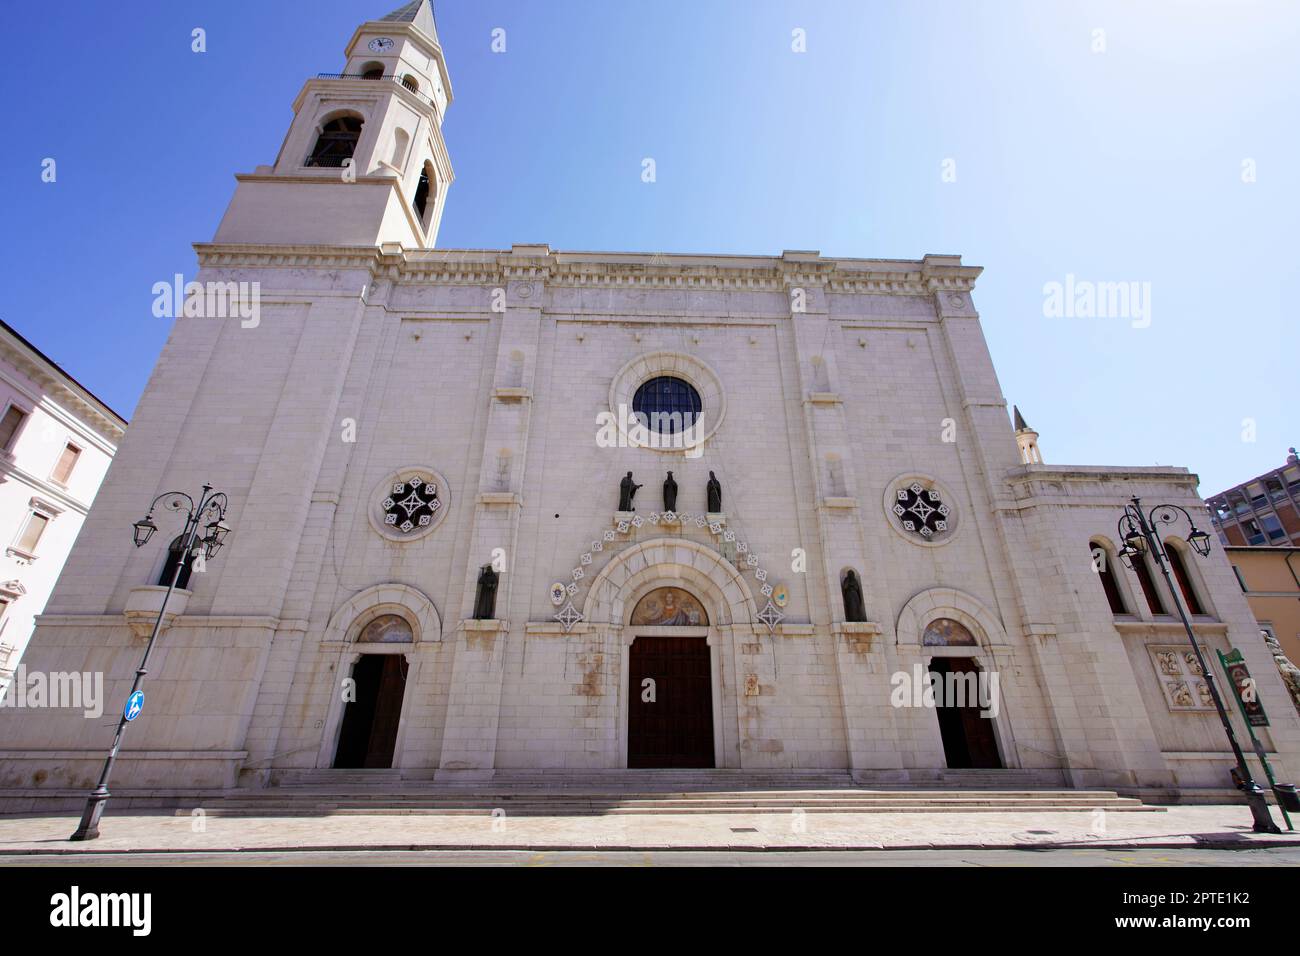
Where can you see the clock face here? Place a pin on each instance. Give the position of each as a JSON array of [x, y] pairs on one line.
[[381, 44]]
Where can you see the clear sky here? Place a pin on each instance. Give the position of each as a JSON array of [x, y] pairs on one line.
[[1122, 164]]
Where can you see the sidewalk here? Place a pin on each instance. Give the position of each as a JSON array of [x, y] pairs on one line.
[[138, 831]]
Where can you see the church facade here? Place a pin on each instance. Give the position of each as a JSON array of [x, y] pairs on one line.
[[456, 550]]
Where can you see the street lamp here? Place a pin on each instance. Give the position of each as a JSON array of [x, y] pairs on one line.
[[211, 506], [1137, 528]]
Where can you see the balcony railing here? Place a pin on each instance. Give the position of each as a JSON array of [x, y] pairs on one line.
[[386, 78], [326, 162]]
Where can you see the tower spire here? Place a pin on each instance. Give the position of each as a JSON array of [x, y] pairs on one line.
[[1026, 439], [419, 12]]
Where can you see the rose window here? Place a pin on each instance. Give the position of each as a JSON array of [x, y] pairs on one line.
[[411, 504], [921, 511]]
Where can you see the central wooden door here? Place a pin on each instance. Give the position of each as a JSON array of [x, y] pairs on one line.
[[368, 736], [670, 721]]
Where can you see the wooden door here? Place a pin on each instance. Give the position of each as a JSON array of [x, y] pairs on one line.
[[675, 728], [388, 712], [968, 738], [368, 736]]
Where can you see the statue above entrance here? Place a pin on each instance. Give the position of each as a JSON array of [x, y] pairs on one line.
[[626, 492], [669, 607], [714, 494]]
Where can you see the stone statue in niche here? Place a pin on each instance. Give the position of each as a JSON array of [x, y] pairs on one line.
[[854, 607], [670, 493], [485, 599], [626, 492], [715, 494]]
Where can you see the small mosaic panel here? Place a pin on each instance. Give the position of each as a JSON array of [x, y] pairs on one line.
[[945, 632], [388, 629], [668, 607]]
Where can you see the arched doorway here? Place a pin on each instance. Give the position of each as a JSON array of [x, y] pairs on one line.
[[670, 709], [961, 696], [373, 713]]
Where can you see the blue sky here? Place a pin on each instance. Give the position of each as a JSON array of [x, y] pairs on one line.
[[1122, 165]]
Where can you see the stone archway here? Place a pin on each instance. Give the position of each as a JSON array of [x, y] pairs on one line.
[[383, 665], [730, 612], [661, 562], [984, 659]]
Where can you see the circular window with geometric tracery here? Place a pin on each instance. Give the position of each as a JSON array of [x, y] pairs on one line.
[[408, 504], [666, 401], [920, 510], [411, 504]]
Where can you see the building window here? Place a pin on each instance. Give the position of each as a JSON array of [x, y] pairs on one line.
[[1184, 579], [176, 556], [67, 461], [1149, 589], [666, 405], [372, 71], [1101, 563], [426, 194], [337, 141], [1240, 580], [411, 83], [32, 531], [922, 510], [9, 425]]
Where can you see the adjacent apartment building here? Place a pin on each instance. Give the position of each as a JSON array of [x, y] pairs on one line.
[[1263, 511], [56, 441]]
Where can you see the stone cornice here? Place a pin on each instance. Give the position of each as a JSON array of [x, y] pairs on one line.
[[615, 270], [63, 389], [1093, 473]]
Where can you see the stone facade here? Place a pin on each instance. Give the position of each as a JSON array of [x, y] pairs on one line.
[[57, 442], [829, 387]]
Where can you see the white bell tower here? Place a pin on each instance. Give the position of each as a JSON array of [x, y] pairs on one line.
[[364, 162]]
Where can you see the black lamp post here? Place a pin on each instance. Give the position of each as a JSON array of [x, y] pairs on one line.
[[192, 546], [1137, 529]]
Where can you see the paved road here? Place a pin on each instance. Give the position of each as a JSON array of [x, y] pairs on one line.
[[1286, 856]]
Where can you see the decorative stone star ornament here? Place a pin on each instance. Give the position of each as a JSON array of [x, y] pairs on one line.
[[771, 616], [568, 617]]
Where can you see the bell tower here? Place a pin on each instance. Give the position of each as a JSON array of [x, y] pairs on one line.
[[1027, 440], [364, 162]]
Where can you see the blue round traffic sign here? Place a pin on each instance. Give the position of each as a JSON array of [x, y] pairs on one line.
[[134, 704]]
